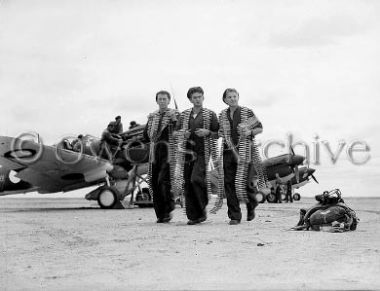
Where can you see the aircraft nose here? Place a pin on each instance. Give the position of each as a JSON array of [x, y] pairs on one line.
[[297, 160]]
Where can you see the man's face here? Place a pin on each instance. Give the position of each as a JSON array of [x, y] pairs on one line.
[[197, 99], [163, 100], [118, 120], [232, 99]]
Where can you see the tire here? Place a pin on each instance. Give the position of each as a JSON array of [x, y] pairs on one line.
[[143, 195], [271, 198], [108, 197], [296, 197], [143, 198], [260, 197]]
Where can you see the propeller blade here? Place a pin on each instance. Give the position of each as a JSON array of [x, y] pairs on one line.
[[297, 172], [314, 179], [175, 103], [291, 149]]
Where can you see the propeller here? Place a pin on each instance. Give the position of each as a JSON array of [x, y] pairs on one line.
[[308, 166], [291, 149], [175, 101], [297, 174], [296, 171]]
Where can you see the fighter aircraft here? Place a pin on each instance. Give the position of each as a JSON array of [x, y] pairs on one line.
[[29, 166], [305, 173], [287, 189], [283, 172]]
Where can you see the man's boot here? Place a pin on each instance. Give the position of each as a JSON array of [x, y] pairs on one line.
[[251, 209]]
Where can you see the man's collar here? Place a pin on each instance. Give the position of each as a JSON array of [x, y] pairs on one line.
[[192, 109], [237, 108]]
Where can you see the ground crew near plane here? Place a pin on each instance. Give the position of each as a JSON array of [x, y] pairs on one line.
[[109, 142], [77, 144], [117, 125], [133, 124], [197, 142], [159, 132], [237, 127]]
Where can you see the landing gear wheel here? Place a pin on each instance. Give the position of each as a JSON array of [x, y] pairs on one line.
[[143, 195], [296, 197], [108, 197], [143, 198], [271, 198], [260, 197]]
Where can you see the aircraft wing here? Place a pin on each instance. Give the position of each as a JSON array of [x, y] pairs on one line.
[[49, 168]]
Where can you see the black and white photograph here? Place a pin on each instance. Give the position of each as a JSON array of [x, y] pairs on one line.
[[189, 145]]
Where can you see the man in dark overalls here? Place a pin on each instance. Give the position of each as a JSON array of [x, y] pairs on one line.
[[237, 143], [159, 132], [198, 127]]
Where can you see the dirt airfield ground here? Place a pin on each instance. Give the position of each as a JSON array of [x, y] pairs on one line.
[[71, 244]]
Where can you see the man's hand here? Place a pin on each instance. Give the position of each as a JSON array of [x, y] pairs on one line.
[[187, 133], [246, 132], [172, 115], [256, 131], [202, 132]]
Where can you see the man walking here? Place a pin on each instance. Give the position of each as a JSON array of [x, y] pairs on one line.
[[159, 132], [238, 126], [197, 139]]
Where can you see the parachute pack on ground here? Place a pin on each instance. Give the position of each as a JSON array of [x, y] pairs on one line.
[[329, 214]]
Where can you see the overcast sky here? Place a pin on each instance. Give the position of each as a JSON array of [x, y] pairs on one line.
[[305, 67]]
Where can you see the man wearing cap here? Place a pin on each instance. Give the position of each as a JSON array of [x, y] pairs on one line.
[[117, 125], [197, 142], [237, 126], [159, 132], [109, 142]]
